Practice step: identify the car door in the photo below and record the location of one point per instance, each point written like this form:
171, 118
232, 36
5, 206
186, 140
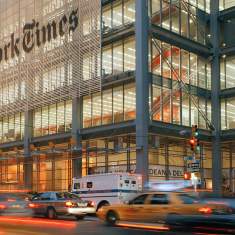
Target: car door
156, 208
134, 210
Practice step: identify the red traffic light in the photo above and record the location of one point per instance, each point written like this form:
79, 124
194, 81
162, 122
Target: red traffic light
192, 141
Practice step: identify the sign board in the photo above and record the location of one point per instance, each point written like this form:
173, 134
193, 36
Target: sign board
193, 166
188, 158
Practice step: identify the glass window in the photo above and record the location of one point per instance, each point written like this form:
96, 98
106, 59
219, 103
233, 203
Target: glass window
194, 110
156, 59
68, 115
129, 11
107, 19
118, 104
175, 16
60, 117
166, 68
156, 5
230, 109
52, 119
129, 102
45, 121
117, 58
166, 104
185, 109
165, 14
185, 66
193, 69
86, 111
157, 103
139, 200
107, 60
117, 14
107, 108
96, 109
201, 72
129, 54
159, 199
230, 71
37, 122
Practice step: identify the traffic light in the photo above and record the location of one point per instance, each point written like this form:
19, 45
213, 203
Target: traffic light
194, 141
187, 176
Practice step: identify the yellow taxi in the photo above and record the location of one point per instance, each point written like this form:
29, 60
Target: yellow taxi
154, 207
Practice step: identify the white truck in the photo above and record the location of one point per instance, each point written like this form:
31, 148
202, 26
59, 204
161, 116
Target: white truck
107, 189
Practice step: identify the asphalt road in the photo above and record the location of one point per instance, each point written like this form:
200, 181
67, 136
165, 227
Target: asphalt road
88, 226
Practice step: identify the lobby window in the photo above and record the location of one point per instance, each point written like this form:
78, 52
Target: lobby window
117, 14
52, 119
119, 57
109, 106
12, 128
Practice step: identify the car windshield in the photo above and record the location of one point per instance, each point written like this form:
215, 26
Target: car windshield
65, 195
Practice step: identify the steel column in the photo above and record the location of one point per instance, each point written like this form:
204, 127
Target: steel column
28, 167
142, 88
215, 100
76, 136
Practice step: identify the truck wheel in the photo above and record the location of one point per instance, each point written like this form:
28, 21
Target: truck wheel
111, 218
80, 217
51, 213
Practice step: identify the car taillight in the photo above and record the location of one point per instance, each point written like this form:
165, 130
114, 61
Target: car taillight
91, 204
32, 205
2, 207
205, 210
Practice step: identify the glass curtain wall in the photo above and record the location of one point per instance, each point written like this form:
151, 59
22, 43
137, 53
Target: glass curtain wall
12, 128
119, 57
186, 17
52, 119
109, 106
174, 63
117, 14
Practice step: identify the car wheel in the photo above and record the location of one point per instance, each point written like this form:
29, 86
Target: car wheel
111, 218
80, 217
51, 213
102, 204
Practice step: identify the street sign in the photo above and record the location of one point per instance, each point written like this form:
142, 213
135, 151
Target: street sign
193, 166
188, 158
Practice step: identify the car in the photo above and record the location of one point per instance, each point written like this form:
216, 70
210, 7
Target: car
54, 204
14, 204
154, 207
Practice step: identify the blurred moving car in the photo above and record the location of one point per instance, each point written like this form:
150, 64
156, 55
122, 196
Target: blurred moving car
53, 204
154, 207
13, 204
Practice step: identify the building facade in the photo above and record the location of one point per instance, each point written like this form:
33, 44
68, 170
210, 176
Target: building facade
116, 90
